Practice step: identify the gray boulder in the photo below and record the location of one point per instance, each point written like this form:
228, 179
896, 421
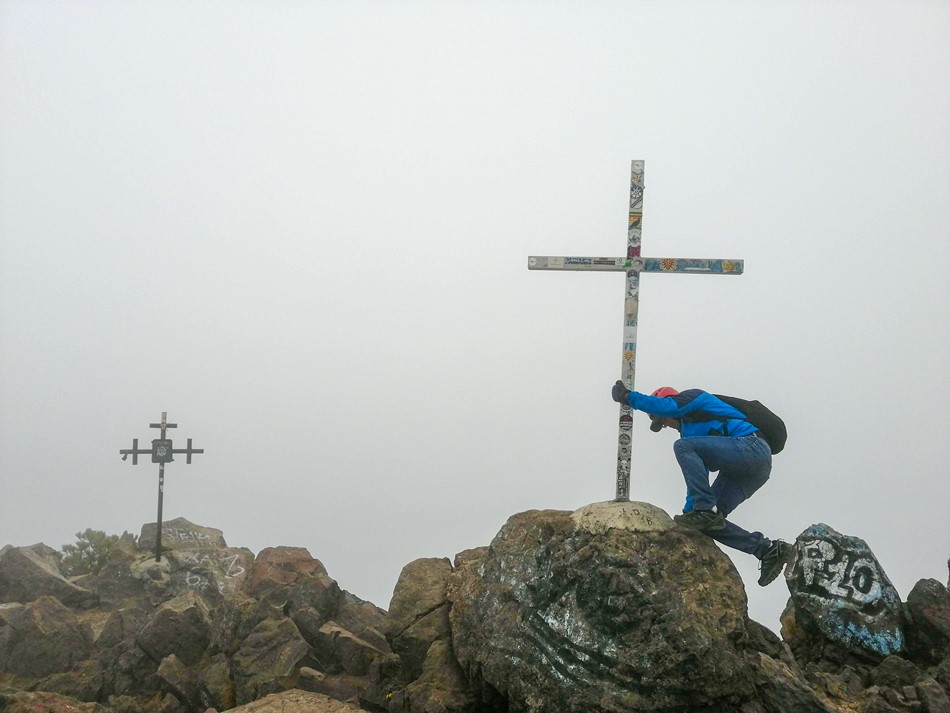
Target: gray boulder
292, 580
42, 638
419, 611
184, 684
590, 620
296, 701
928, 611
126, 669
181, 534
181, 627
27, 573
840, 594
268, 660
347, 652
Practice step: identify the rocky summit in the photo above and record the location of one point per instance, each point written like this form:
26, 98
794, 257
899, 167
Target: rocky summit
609, 608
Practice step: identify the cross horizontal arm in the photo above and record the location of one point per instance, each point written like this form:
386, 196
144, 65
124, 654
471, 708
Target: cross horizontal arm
134, 451
189, 451
637, 264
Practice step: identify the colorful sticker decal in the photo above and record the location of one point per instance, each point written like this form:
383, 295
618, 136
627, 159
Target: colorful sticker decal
668, 263
626, 422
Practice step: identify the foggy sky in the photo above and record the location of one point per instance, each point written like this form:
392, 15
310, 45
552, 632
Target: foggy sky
302, 230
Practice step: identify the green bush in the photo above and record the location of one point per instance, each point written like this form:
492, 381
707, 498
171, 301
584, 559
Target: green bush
88, 555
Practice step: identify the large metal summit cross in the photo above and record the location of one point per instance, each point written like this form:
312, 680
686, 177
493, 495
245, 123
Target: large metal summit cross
633, 265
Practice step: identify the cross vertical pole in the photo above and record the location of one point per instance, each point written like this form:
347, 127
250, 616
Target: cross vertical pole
161, 494
631, 305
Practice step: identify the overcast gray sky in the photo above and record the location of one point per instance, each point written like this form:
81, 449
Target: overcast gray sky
302, 229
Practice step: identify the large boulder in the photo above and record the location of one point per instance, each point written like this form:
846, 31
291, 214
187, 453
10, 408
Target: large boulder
593, 618
181, 627
340, 650
840, 595
184, 683
291, 581
180, 534
441, 687
296, 701
419, 611
27, 573
42, 638
126, 668
364, 620
289, 577
928, 609
269, 659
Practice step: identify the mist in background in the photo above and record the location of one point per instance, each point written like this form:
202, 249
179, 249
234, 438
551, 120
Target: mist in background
302, 229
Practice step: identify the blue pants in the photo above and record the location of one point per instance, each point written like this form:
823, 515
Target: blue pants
744, 465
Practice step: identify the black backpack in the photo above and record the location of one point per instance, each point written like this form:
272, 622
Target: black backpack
770, 425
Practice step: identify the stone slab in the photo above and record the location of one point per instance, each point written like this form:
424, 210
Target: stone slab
633, 516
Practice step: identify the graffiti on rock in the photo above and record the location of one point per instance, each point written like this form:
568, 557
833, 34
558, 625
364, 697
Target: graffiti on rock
838, 580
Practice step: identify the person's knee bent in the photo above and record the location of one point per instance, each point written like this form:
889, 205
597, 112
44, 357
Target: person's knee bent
681, 447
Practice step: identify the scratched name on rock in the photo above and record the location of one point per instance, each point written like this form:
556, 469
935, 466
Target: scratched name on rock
840, 574
183, 535
224, 564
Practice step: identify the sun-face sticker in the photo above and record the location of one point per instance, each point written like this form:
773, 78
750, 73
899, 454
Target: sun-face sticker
668, 263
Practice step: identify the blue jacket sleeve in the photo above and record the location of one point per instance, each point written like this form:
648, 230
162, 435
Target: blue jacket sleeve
712, 416
683, 403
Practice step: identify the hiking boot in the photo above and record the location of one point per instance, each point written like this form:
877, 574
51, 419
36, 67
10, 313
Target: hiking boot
702, 520
773, 562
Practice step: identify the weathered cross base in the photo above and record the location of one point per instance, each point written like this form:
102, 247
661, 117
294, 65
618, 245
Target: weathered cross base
632, 516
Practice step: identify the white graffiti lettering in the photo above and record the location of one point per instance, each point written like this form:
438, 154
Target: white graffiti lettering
184, 535
841, 574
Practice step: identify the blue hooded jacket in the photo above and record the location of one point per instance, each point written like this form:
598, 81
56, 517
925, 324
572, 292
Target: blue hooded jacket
699, 413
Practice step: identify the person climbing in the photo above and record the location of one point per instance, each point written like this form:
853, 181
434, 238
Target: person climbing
714, 436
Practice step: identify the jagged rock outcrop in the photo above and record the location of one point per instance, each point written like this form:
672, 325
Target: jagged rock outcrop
609, 608
207, 626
